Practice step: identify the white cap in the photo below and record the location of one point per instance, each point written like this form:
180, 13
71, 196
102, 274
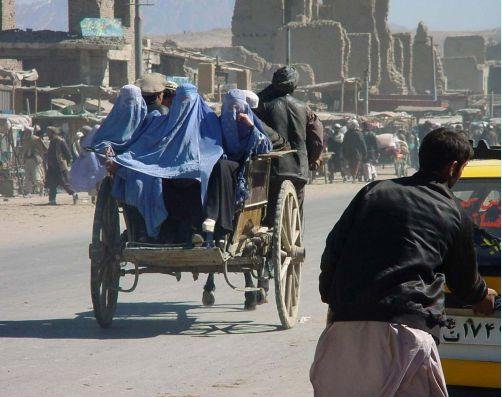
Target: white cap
252, 99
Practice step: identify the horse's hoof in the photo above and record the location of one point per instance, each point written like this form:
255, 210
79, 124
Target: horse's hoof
208, 298
251, 301
261, 297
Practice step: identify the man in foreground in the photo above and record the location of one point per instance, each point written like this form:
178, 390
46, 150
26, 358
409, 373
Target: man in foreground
382, 276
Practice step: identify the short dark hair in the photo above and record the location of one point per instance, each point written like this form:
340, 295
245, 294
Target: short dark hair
440, 147
151, 98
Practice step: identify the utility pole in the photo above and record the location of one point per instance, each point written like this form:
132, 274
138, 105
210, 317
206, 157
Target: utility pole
366, 92
288, 45
434, 80
138, 35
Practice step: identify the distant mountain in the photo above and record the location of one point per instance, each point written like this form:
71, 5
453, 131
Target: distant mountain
165, 17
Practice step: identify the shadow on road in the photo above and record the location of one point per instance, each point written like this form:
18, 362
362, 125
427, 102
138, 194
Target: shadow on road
136, 321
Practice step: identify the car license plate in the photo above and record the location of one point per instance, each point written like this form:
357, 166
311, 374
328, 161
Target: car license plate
473, 331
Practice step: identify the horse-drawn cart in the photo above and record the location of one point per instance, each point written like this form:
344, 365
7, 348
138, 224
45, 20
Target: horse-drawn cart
277, 251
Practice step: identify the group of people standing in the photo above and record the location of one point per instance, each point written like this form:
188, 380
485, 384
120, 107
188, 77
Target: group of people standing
354, 151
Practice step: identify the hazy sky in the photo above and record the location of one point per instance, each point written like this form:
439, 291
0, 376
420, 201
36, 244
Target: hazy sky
446, 14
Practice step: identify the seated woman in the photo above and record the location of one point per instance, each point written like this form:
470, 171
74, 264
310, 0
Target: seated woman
116, 131
179, 150
243, 137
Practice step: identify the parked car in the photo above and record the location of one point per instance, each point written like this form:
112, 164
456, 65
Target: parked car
470, 351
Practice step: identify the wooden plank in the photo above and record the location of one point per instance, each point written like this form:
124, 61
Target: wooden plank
173, 257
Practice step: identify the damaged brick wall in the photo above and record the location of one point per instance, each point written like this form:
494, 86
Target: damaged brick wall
398, 54
359, 17
407, 55
392, 82
360, 55
465, 46
255, 24
464, 73
327, 50
422, 63
7, 14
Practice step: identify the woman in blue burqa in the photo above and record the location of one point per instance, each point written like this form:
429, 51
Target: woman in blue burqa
243, 137
165, 174
113, 136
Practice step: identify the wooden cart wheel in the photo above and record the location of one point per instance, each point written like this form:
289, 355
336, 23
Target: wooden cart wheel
288, 254
105, 265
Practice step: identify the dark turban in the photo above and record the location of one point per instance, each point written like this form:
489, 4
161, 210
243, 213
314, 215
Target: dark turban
285, 79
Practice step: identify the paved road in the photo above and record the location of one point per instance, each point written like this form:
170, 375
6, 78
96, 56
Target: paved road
163, 342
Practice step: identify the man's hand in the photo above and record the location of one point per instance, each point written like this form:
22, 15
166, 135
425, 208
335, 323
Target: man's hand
487, 305
244, 118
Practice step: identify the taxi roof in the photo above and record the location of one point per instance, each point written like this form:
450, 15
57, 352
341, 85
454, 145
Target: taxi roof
482, 169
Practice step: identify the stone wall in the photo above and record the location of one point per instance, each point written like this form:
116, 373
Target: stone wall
493, 52
322, 44
11, 64
360, 55
407, 55
359, 17
398, 54
392, 82
255, 24
422, 63
465, 46
466, 74
494, 79
7, 14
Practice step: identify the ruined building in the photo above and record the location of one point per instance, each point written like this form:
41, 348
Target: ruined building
424, 54
65, 58
465, 63
333, 65
360, 44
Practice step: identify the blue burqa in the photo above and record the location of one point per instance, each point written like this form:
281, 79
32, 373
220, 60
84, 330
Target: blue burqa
87, 171
186, 144
120, 128
240, 141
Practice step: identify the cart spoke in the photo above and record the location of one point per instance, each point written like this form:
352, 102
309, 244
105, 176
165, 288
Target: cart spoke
285, 243
294, 224
284, 268
287, 300
286, 223
292, 298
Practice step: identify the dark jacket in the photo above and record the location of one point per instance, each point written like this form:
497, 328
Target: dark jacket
288, 117
354, 147
382, 258
58, 155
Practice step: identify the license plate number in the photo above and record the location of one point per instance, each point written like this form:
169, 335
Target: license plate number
473, 331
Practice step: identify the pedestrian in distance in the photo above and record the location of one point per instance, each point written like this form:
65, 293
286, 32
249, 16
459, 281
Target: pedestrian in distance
34, 152
58, 164
383, 274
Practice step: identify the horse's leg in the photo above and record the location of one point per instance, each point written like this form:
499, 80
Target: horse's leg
263, 283
208, 298
251, 297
